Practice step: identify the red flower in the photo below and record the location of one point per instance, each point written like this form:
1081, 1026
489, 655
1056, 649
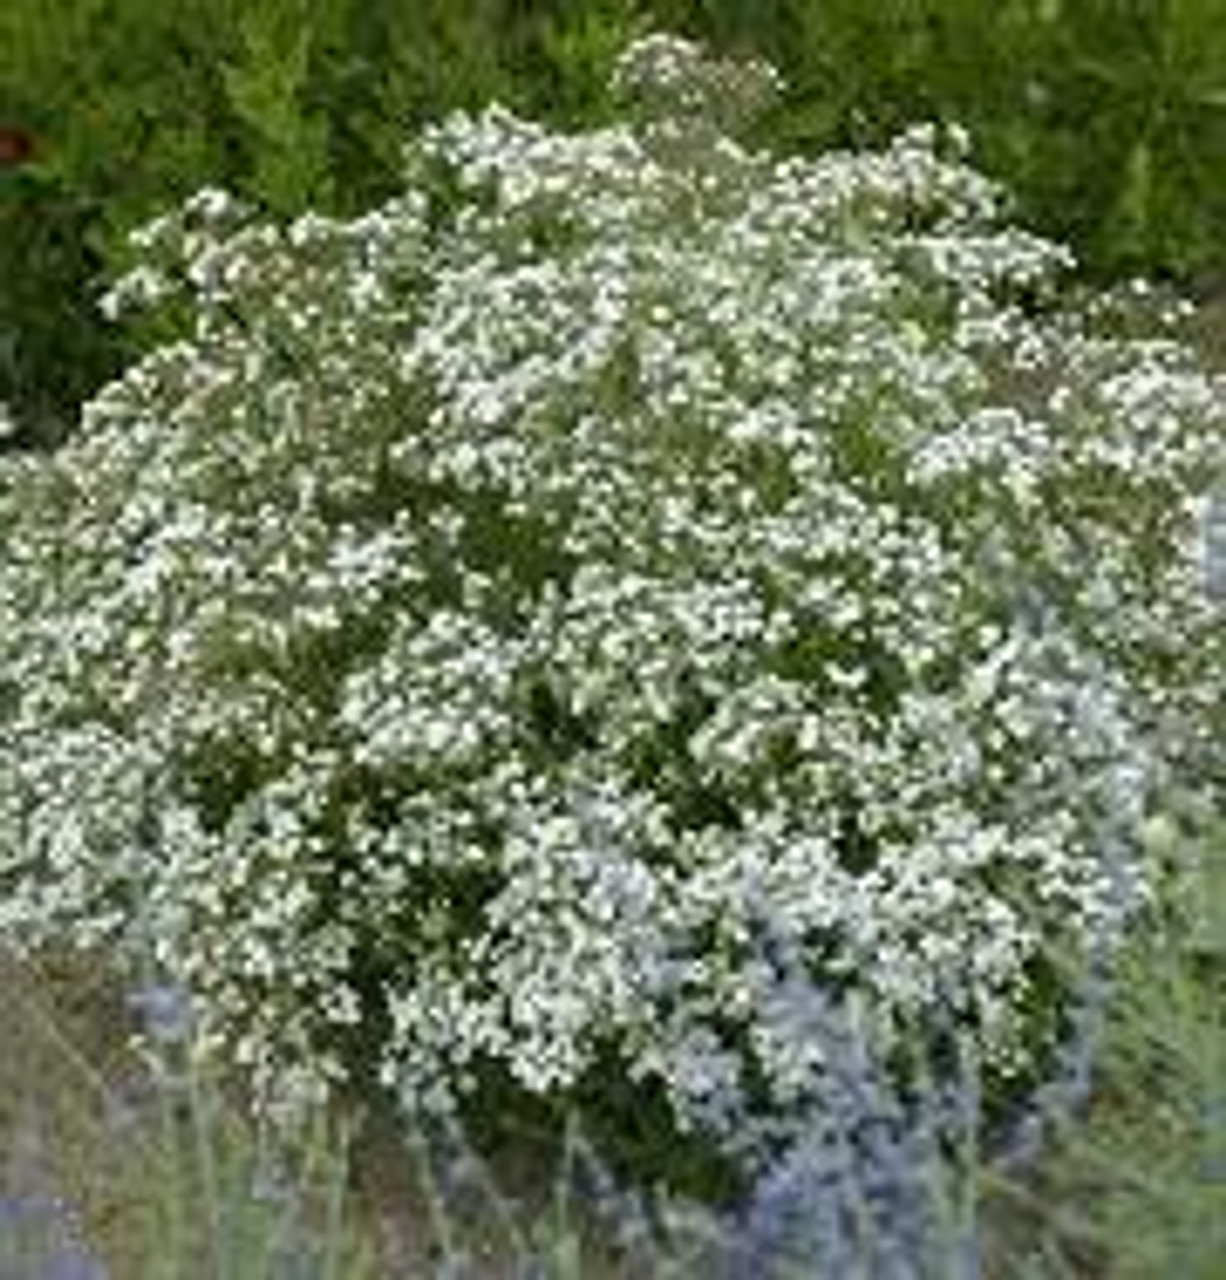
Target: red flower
16, 146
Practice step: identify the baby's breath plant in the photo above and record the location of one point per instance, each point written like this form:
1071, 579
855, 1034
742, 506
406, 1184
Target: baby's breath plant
491, 611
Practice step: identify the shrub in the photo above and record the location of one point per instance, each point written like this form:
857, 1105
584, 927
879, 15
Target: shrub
503, 613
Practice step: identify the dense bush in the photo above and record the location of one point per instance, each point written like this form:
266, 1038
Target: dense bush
506, 613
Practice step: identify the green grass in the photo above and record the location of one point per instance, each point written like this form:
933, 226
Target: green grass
1145, 1176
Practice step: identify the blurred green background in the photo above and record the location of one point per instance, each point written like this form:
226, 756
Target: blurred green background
1106, 119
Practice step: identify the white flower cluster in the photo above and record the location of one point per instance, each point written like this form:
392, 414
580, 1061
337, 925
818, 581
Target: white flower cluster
675, 84
497, 615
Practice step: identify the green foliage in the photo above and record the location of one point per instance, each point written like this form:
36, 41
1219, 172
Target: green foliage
53, 350
1107, 120
266, 87
1136, 1186
1163, 1071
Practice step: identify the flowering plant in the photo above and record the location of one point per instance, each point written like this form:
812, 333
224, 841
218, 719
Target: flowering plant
497, 616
